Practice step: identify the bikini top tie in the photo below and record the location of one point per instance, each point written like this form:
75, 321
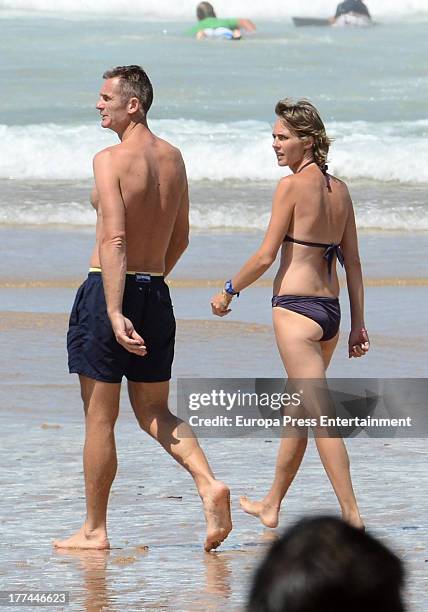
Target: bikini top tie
330, 250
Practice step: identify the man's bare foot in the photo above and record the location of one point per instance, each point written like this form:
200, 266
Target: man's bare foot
83, 539
267, 513
216, 501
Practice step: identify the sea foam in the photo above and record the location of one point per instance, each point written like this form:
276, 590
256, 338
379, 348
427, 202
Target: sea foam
228, 217
220, 151
185, 9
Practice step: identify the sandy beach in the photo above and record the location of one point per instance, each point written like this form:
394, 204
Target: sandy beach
156, 527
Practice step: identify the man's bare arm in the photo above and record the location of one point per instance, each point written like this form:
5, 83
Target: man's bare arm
112, 249
180, 234
112, 242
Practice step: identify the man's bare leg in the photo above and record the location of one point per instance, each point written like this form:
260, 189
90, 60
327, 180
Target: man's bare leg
150, 404
101, 403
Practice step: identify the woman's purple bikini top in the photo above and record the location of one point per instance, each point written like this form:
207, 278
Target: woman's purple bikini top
330, 250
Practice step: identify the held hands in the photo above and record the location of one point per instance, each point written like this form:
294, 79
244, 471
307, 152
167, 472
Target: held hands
358, 343
220, 303
126, 335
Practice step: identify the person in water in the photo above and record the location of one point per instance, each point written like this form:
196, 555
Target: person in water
210, 26
351, 7
313, 223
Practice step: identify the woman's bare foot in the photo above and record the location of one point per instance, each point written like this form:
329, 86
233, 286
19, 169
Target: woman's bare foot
267, 513
354, 519
216, 501
84, 539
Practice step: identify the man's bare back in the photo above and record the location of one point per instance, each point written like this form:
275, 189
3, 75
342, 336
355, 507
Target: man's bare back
153, 187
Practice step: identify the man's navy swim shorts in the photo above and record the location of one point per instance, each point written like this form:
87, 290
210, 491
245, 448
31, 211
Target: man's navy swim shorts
92, 347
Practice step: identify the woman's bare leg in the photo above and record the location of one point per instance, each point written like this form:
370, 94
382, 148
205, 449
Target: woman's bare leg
335, 459
292, 448
290, 455
304, 356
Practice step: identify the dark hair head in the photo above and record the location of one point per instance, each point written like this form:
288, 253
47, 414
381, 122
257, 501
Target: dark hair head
204, 10
324, 564
303, 119
133, 82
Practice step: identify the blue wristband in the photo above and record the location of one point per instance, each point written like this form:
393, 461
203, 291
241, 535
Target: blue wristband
228, 287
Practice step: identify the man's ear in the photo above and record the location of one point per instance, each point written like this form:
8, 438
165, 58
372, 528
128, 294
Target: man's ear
133, 105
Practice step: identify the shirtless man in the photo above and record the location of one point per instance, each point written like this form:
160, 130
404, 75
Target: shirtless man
122, 322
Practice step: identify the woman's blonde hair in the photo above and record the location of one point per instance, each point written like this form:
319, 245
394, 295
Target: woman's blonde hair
303, 119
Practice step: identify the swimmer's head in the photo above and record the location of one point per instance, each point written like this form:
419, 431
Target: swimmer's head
204, 10
303, 120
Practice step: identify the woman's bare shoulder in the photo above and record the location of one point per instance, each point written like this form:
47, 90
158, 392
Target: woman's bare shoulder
340, 187
340, 184
286, 183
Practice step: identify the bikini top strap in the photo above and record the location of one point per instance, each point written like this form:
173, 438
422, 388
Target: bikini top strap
324, 169
305, 165
330, 250
310, 244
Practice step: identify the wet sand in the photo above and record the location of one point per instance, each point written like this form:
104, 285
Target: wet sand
63, 254
154, 503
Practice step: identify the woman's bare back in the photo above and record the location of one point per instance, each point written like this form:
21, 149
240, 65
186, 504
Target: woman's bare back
320, 214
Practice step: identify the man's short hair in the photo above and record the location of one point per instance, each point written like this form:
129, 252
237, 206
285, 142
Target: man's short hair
325, 564
134, 83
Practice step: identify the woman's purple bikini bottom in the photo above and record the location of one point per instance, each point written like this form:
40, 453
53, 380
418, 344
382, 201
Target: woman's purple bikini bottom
323, 310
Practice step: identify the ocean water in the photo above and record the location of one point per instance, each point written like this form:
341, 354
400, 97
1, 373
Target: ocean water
184, 9
215, 101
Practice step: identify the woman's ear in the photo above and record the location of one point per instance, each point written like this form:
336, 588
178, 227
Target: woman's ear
308, 143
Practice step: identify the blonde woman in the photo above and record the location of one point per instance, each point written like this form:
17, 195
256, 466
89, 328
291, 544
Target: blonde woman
313, 223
